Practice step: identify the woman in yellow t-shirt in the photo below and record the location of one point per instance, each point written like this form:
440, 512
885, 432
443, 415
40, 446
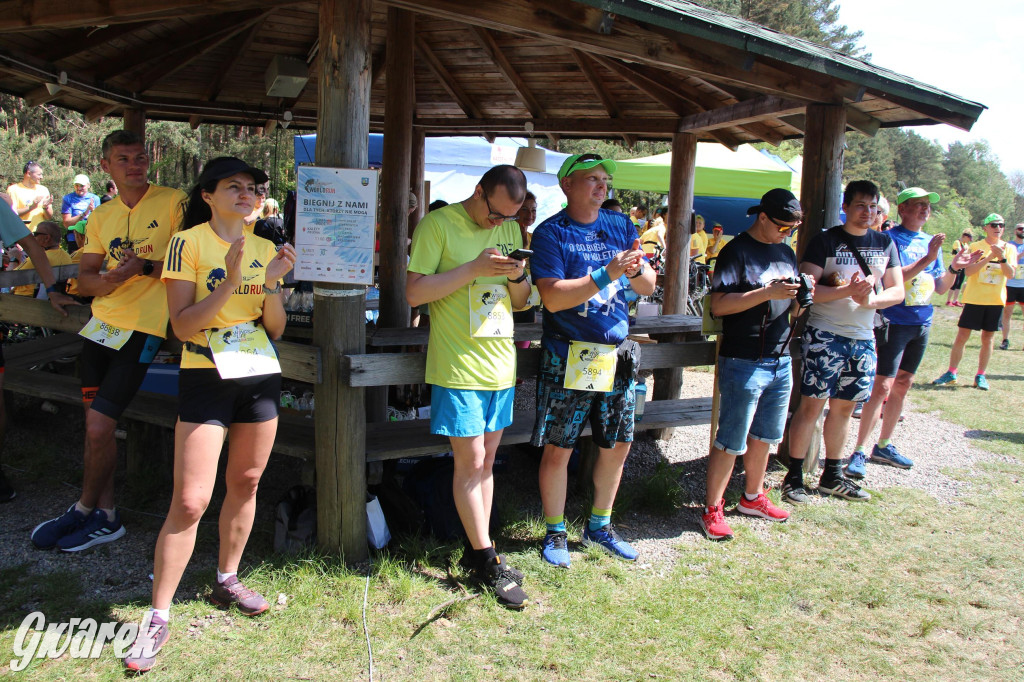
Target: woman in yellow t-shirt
954, 291
224, 299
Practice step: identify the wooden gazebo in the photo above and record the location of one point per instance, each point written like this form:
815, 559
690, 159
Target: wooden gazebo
628, 69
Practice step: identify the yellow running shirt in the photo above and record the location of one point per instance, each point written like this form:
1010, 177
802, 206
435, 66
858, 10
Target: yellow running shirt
56, 256
444, 240
141, 302
197, 255
23, 197
988, 285
699, 241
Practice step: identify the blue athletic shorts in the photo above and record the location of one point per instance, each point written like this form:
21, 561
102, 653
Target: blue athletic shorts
837, 366
755, 398
463, 413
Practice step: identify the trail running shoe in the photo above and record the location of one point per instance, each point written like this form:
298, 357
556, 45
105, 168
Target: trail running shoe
495, 574
856, 467
713, 523
47, 533
794, 493
946, 379
148, 643
96, 530
606, 539
762, 508
890, 456
6, 489
857, 410
469, 564
556, 549
981, 382
232, 591
842, 487
1005, 345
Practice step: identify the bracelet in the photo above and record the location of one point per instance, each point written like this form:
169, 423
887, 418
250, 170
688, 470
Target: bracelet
643, 266
601, 278
52, 289
518, 279
955, 272
272, 290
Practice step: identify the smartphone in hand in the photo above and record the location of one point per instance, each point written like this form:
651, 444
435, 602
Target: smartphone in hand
520, 254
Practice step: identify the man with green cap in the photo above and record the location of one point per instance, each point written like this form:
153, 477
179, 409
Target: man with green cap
585, 261
984, 299
901, 353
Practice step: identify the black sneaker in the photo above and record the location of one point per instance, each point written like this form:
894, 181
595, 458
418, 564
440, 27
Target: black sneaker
6, 489
501, 580
470, 564
842, 487
1005, 345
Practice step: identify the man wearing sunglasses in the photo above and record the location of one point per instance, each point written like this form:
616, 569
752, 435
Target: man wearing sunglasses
984, 299
31, 199
585, 261
1014, 286
839, 341
460, 266
754, 293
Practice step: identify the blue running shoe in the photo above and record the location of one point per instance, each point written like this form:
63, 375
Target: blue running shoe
891, 456
606, 539
556, 549
856, 467
981, 382
47, 533
947, 379
95, 531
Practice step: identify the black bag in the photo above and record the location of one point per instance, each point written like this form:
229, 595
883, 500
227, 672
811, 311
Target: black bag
881, 323
295, 520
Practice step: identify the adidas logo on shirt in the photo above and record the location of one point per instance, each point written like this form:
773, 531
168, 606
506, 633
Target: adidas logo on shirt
256, 264
152, 225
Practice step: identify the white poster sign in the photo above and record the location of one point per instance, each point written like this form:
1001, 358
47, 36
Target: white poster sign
335, 221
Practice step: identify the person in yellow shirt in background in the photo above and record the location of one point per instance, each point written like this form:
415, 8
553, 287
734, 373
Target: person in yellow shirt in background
964, 242
30, 199
715, 244
984, 298
699, 242
653, 241
48, 235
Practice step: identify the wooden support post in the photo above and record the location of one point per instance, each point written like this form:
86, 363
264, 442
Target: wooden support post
394, 179
821, 189
417, 171
339, 310
668, 383
135, 121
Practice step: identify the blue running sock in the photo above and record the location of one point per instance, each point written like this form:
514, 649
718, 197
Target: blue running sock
599, 518
555, 524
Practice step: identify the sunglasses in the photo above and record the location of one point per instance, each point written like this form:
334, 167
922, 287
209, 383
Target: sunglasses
783, 227
999, 225
494, 216
584, 159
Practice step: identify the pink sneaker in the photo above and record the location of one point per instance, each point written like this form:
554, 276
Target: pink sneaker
762, 508
713, 523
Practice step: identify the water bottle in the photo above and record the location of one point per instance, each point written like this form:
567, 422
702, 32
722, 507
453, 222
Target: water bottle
641, 398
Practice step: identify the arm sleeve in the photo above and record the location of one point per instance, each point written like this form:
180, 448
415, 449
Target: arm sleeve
65, 205
181, 260
893, 253
728, 277
12, 229
427, 246
547, 258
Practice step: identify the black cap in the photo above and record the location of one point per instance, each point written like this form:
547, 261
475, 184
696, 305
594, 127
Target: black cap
780, 204
226, 166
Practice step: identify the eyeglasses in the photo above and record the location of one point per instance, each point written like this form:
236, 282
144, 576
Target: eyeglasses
583, 159
782, 226
999, 225
494, 216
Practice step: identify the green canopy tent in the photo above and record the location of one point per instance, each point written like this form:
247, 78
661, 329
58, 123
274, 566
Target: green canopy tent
745, 173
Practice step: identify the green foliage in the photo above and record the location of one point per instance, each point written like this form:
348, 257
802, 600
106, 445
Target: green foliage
950, 218
618, 150
973, 171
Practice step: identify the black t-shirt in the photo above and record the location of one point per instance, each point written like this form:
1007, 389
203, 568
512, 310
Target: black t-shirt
745, 264
271, 228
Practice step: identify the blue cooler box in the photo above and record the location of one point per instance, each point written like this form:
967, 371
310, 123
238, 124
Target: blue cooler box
161, 378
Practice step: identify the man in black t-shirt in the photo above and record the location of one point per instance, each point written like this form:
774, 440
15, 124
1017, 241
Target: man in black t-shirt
754, 294
839, 355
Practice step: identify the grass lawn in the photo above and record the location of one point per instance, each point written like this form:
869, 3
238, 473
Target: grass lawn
902, 587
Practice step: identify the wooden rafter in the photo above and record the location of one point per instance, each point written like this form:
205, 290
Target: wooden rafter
240, 50
21, 15
98, 111
447, 81
751, 111
597, 85
864, 122
40, 96
91, 36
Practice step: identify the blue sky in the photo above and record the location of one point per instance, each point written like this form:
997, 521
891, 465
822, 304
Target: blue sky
974, 50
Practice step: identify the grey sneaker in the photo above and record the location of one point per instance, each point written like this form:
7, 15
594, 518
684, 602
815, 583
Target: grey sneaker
150, 639
842, 487
232, 591
795, 494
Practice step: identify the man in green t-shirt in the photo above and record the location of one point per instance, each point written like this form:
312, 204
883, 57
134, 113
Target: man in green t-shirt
460, 266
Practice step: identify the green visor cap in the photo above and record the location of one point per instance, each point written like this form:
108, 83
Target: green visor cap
78, 227
916, 193
993, 218
584, 162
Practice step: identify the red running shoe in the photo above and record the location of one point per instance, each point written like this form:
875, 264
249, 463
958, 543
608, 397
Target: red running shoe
762, 508
714, 525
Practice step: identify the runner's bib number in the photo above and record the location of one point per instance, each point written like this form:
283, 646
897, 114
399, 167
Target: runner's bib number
242, 351
105, 334
920, 289
992, 273
590, 367
490, 311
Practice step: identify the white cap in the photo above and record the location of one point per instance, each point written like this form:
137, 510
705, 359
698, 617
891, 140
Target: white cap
82, 179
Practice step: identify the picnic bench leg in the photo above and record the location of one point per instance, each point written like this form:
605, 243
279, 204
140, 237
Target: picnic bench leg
150, 452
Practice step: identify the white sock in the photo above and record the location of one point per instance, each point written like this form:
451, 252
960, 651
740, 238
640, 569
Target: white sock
162, 614
109, 513
221, 577
82, 509
750, 498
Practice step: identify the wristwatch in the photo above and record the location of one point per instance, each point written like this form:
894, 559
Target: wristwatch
639, 272
147, 267
517, 280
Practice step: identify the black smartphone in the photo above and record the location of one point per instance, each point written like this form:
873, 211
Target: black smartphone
520, 254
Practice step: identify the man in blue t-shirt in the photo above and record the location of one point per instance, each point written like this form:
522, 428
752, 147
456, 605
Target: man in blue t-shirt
1014, 286
77, 206
909, 323
585, 260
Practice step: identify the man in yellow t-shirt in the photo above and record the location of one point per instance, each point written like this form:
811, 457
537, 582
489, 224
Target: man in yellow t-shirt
48, 235
984, 297
129, 233
459, 265
31, 200
699, 242
716, 243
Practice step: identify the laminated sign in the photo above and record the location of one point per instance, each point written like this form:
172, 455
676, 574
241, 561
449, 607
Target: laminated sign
920, 289
490, 311
242, 351
590, 367
105, 334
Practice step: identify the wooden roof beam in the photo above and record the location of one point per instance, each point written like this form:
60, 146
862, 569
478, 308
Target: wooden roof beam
98, 111
469, 108
861, 121
566, 127
22, 15
597, 85
92, 36
40, 96
240, 51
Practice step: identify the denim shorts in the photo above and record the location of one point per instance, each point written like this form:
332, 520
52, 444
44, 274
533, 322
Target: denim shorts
837, 366
755, 398
903, 349
464, 413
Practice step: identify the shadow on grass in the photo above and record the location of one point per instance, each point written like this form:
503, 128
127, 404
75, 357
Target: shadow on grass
1005, 436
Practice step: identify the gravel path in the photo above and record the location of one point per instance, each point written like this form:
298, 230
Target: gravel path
42, 455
